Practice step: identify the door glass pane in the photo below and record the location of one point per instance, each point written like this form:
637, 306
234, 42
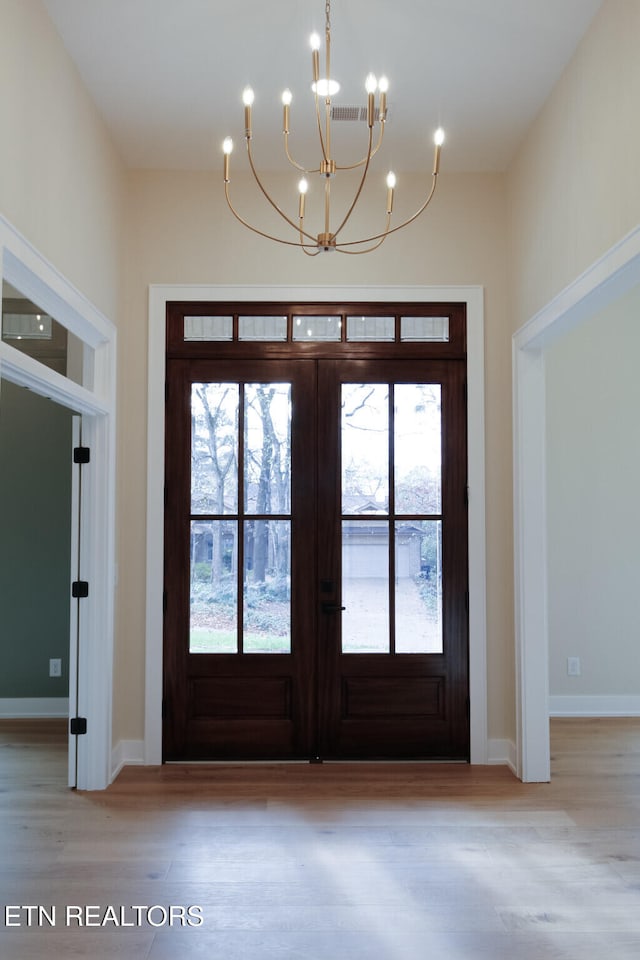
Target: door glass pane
365, 448
418, 586
267, 447
214, 448
267, 586
365, 586
214, 595
417, 448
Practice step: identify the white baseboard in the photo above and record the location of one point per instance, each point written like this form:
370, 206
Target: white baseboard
32, 708
627, 705
502, 752
126, 752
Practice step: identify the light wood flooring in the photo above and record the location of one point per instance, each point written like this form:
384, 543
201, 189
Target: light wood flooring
328, 862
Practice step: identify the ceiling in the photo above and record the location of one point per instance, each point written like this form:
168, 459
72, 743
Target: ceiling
167, 75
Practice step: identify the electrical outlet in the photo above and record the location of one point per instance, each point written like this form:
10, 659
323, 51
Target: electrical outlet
55, 668
573, 666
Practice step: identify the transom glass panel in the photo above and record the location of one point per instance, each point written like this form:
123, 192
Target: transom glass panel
262, 328
28, 328
424, 329
317, 328
208, 328
371, 329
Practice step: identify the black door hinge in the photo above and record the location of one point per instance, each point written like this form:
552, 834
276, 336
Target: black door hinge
79, 589
81, 455
78, 726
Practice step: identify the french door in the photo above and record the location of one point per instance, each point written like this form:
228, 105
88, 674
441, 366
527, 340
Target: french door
315, 558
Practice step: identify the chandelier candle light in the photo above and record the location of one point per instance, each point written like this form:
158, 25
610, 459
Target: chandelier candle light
324, 88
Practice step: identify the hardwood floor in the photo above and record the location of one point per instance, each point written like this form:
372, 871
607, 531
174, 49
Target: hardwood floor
326, 862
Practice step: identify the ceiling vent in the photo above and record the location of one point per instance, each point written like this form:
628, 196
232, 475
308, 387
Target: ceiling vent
354, 114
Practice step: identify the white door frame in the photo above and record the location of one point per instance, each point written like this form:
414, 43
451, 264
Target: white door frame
608, 279
473, 296
74, 604
22, 266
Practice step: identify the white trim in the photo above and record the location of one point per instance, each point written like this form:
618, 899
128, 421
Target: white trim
592, 705
39, 280
503, 753
473, 296
76, 431
608, 279
24, 371
124, 753
28, 708
530, 579
23, 267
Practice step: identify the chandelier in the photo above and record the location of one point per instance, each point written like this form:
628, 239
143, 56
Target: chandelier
324, 88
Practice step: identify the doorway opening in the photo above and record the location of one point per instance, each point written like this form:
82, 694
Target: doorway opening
75, 368
316, 546
35, 554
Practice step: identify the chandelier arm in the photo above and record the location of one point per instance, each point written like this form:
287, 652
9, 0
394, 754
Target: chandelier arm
400, 226
272, 202
292, 161
359, 190
303, 245
353, 253
268, 236
361, 163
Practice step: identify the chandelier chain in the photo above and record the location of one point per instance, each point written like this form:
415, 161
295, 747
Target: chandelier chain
327, 13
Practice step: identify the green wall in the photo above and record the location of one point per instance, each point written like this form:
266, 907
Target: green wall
35, 542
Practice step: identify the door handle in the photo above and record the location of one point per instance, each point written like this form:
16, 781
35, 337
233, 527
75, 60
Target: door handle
332, 608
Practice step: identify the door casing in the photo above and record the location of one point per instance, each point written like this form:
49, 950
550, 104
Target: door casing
473, 297
23, 267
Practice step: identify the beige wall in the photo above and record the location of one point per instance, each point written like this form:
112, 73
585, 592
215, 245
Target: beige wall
61, 180
181, 232
593, 528
574, 188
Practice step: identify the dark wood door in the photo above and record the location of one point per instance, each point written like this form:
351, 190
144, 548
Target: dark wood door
239, 656
393, 659
315, 560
